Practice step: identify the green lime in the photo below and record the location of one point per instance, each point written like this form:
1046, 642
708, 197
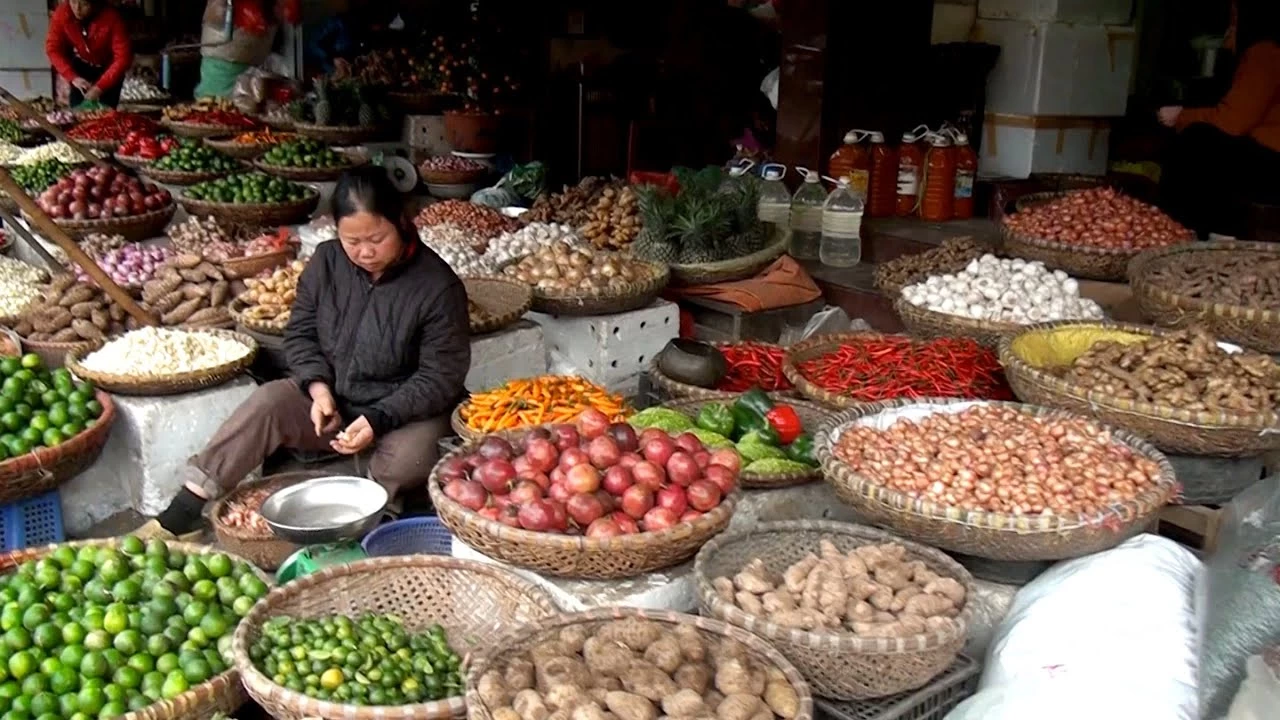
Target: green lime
114, 708
47, 636
204, 590
253, 586
127, 591
167, 663
94, 408
195, 570
219, 565
142, 663
93, 616
36, 615
44, 703
175, 683
242, 605
116, 620
158, 645
72, 655
94, 665
64, 680
21, 664
34, 683
214, 625
194, 610
40, 422
9, 366
17, 638
72, 634
91, 700
69, 704
31, 436
11, 421
32, 361
53, 437
97, 640
127, 678
129, 642
9, 690
10, 616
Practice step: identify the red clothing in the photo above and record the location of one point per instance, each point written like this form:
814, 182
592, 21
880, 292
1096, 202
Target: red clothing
105, 45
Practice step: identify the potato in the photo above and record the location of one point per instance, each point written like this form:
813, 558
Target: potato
607, 657
782, 699
574, 636
629, 706
733, 677
588, 711
664, 653
647, 681
738, 706
635, 633
685, 703
728, 649
606, 682
530, 705
493, 691
519, 674
549, 649
563, 670
691, 643
566, 697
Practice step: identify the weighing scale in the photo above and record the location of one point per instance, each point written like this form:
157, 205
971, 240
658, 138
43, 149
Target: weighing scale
327, 516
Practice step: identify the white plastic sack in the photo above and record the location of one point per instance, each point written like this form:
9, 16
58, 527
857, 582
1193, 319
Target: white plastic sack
1259, 696
1111, 636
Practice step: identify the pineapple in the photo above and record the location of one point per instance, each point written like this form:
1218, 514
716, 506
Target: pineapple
323, 109
649, 245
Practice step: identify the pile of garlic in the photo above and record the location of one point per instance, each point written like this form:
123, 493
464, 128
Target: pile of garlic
49, 151
453, 245
529, 240
9, 152
19, 286
157, 352
1013, 291
136, 89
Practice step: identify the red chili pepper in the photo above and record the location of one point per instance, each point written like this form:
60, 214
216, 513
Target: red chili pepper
899, 367
113, 126
752, 364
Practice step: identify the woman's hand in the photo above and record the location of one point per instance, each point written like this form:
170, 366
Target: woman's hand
355, 438
324, 410
1168, 115
93, 93
81, 84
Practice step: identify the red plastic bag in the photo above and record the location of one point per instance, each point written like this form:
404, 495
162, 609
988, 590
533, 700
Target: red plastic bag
248, 16
289, 11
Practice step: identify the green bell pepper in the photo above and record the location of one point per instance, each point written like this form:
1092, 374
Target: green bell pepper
749, 415
801, 450
716, 417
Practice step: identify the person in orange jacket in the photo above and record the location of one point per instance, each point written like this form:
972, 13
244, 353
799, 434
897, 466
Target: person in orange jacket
88, 45
1227, 156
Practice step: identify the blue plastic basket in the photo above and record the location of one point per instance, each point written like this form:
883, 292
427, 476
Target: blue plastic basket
411, 536
31, 522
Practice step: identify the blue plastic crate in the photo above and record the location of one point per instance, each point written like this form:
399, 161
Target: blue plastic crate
31, 522
411, 536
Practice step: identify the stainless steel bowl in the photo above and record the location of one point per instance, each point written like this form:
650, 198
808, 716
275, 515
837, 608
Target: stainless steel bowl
327, 509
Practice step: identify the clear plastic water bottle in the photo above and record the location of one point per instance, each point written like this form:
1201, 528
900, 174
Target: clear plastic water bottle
806, 216
774, 206
735, 177
841, 244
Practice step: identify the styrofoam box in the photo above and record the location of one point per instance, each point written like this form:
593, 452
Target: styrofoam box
952, 22
1014, 150
28, 84
24, 24
1058, 68
611, 350
1098, 12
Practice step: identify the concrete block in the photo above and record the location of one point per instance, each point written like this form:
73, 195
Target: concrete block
426, 132
670, 589
519, 351
151, 439
611, 350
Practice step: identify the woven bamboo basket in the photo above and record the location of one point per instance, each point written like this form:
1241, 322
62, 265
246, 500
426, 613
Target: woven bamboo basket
891, 287
575, 556
592, 620
1172, 430
298, 174
288, 213
240, 151
264, 550
675, 389
8, 204
250, 265
168, 384
475, 602
201, 130
925, 323
451, 177
838, 664
338, 134
1107, 264
132, 162
995, 536
1253, 327
180, 177
632, 296
220, 694
54, 354
266, 327
727, 270
134, 228
44, 469
811, 415
504, 300
419, 102
103, 146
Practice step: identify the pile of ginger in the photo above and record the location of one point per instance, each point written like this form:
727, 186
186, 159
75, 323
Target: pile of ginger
872, 591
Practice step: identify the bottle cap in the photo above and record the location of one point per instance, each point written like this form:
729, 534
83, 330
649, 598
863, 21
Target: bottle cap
852, 137
939, 140
774, 172
877, 137
961, 138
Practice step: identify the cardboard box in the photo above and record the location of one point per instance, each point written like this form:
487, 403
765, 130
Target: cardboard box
1017, 145
24, 24
1096, 12
1058, 68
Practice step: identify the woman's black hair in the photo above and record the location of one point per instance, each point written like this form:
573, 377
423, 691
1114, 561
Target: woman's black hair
368, 189
1256, 21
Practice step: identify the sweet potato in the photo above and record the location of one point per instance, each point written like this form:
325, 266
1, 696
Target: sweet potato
738, 706
647, 681
530, 705
664, 653
782, 699
84, 309
604, 657
684, 703
691, 643
629, 706
87, 330
635, 633
694, 676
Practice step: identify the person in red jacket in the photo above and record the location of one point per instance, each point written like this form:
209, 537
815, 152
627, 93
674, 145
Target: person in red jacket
89, 46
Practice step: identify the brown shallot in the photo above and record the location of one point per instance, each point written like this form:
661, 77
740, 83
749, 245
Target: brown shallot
1099, 218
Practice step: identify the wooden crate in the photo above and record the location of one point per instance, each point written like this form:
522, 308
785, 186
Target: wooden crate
1195, 526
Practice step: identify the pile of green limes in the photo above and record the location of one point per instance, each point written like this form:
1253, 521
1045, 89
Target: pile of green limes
303, 153
192, 157
248, 188
95, 632
372, 660
39, 407
34, 178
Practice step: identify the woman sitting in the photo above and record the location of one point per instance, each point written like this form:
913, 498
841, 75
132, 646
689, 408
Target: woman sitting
377, 347
1228, 156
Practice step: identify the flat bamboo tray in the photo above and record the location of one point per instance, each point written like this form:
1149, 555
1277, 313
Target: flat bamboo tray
338, 134
838, 664
180, 177
44, 469
201, 130
298, 174
290, 213
134, 228
505, 301
633, 296
172, 384
727, 270
925, 323
1182, 432
221, 694
476, 603
709, 629
994, 536
812, 416
575, 556
1253, 327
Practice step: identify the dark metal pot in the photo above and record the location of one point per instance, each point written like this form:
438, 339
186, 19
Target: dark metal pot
692, 362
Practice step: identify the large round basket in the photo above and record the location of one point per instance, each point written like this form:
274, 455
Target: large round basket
266, 327
476, 603
925, 323
240, 151
758, 651
250, 265
107, 147
419, 102
811, 415
132, 162
1253, 327
632, 296
995, 536
727, 270
201, 130
220, 694
44, 469
134, 228
1030, 358
263, 549
451, 177
338, 134
180, 177
169, 384
961, 251
299, 174
54, 354
575, 556
837, 663
504, 301
288, 213
675, 389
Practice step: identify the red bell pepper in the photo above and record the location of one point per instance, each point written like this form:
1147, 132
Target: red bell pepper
784, 420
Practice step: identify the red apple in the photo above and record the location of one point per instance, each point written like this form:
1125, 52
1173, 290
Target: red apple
625, 436
559, 492
525, 491
602, 528
690, 516
535, 515
582, 479
649, 475
650, 433
628, 460
688, 442
617, 479
658, 449
592, 423
659, 519
603, 452
625, 521
722, 477
490, 513
704, 495
607, 501
566, 436
541, 479
637, 501
559, 516
573, 456
727, 457
541, 454
496, 475
585, 509
672, 497
682, 469
702, 458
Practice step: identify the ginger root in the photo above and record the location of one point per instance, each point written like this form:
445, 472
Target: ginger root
753, 578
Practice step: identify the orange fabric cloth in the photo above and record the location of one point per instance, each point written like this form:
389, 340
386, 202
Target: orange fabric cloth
1252, 106
782, 284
